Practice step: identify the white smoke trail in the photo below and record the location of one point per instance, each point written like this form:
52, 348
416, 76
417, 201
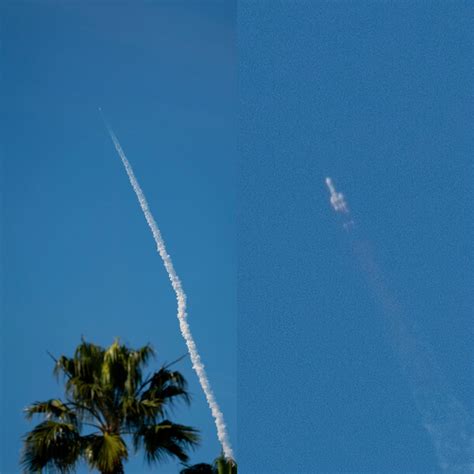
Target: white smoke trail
198, 366
446, 420
448, 423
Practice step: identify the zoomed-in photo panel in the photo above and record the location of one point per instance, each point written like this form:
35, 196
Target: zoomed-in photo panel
355, 237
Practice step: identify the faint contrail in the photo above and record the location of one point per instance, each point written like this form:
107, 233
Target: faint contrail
198, 366
448, 423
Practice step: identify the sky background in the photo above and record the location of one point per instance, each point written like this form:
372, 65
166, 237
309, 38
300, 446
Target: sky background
378, 96
77, 255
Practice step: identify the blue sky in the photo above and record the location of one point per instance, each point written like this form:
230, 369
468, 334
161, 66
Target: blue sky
378, 96
77, 255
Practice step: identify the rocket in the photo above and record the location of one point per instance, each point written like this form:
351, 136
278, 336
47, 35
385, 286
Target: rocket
337, 199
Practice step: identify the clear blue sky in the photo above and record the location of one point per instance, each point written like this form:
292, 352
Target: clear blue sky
377, 95
77, 255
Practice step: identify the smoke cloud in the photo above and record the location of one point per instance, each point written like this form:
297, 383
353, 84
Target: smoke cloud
198, 366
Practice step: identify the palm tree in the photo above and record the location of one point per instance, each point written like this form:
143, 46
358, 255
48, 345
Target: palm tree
221, 466
107, 400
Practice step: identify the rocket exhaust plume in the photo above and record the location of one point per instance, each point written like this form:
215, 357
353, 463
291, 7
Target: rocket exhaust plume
338, 203
337, 199
448, 423
198, 366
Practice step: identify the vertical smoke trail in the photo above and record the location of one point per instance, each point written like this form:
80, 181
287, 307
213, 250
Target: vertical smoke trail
448, 423
198, 366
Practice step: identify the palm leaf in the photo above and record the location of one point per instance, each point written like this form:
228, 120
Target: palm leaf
166, 439
136, 413
105, 452
53, 409
167, 386
51, 445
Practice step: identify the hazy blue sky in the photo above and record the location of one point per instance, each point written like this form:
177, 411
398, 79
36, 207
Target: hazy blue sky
78, 257
377, 95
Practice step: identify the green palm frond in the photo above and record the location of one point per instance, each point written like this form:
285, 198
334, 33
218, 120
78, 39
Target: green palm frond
64, 365
109, 363
86, 363
115, 370
51, 445
136, 361
143, 355
136, 413
105, 452
122, 367
88, 360
85, 391
166, 439
167, 386
53, 409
